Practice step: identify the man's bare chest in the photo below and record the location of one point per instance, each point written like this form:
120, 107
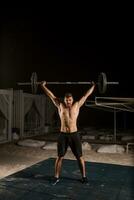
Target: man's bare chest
69, 112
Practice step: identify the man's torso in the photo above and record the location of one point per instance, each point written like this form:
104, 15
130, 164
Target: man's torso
68, 117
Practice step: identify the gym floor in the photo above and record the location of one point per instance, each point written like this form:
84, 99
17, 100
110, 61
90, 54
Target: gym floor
106, 181
17, 160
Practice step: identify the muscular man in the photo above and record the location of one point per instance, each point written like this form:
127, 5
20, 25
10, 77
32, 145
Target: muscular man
69, 136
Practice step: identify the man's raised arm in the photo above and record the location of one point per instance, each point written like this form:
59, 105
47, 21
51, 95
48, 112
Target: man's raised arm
87, 94
54, 99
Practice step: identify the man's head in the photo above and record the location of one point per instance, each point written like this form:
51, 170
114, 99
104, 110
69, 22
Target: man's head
68, 99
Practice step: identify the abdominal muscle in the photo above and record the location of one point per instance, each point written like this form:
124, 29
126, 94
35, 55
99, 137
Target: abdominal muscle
68, 128
68, 119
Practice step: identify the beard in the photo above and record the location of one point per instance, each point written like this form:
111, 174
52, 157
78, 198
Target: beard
68, 105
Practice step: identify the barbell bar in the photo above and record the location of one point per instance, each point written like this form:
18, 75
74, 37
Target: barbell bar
102, 82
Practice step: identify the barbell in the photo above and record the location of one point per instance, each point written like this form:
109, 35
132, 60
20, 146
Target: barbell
102, 83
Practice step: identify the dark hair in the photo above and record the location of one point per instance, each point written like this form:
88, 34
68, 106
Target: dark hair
68, 94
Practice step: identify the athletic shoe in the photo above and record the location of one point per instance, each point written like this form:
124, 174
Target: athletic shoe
84, 180
55, 181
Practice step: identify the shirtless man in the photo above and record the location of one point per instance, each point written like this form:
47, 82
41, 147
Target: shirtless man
69, 135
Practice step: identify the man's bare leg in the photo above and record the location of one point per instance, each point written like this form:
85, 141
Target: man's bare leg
81, 164
58, 164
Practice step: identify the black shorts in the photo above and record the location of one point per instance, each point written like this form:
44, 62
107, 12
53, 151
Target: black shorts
69, 139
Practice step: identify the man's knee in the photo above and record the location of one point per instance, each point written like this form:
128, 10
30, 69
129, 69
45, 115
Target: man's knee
60, 157
79, 157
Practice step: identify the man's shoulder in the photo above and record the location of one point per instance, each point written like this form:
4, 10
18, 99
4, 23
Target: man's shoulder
76, 103
62, 104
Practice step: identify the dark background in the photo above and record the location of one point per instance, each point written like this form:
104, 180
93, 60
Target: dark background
74, 46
